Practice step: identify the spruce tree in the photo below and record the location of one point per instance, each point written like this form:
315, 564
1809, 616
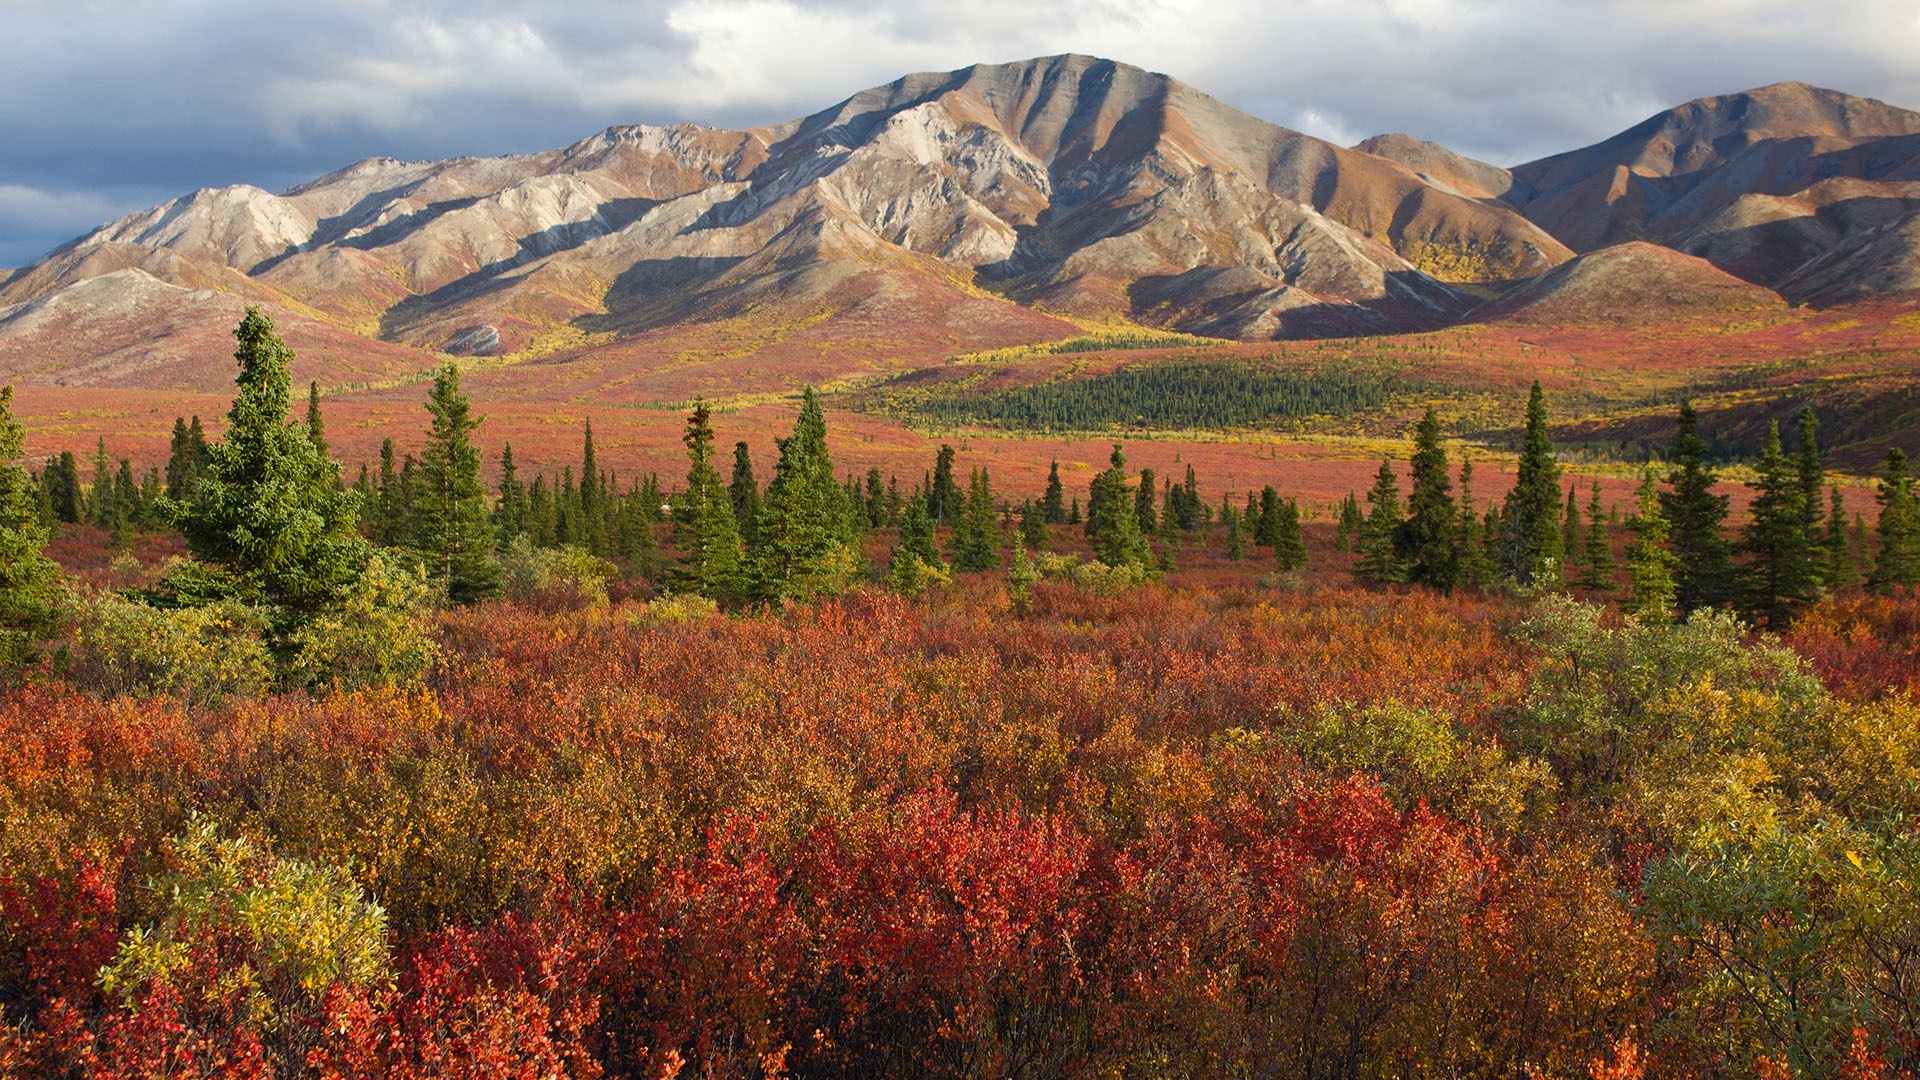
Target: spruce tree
1115, 529
63, 487
1650, 563
1898, 560
316, 427
1289, 547
100, 494
1530, 516
1236, 536
269, 508
1379, 562
1598, 564
1351, 519
589, 524
1144, 510
876, 500
511, 514
915, 554
185, 456
452, 525
1779, 571
943, 492
1703, 576
743, 490
1570, 542
389, 518
712, 561
29, 581
1033, 527
1837, 564
1476, 569
1812, 506
806, 526
976, 540
1266, 529
1053, 503
1427, 541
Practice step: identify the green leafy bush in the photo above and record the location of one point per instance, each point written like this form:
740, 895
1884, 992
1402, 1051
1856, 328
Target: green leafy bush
121, 647
379, 633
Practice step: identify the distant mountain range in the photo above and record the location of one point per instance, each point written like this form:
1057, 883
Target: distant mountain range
995, 205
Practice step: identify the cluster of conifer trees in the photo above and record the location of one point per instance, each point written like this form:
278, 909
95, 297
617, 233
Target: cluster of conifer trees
1172, 396
1795, 545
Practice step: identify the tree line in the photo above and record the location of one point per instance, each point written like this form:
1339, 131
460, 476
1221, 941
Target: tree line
1796, 544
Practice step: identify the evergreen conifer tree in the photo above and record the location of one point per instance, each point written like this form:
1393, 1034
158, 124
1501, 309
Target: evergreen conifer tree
511, 514
943, 492
1266, 529
806, 526
876, 500
1530, 516
63, 487
316, 426
1289, 547
1236, 535
976, 539
1351, 519
1650, 563
1598, 564
1428, 539
269, 508
389, 516
1570, 541
589, 523
100, 494
743, 489
712, 560
1703, 576
1115, 529
452, 525
1897, 561
1144, 510
29, 581
1054, 502
1837, 564
1812, 506
1033, 527
1780, 573
1379, 562
1476, 568
1021, 574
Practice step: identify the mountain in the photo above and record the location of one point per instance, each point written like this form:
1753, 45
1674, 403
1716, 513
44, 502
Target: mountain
939, 213
1634, 283
1676, 169
1440, 166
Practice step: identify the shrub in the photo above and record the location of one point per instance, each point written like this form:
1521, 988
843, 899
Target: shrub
558, 579
376, 634
201, 653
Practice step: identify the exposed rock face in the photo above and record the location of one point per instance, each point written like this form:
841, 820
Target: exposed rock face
1633, 283
955, 210
1675, 170
1440, 166
1080, 184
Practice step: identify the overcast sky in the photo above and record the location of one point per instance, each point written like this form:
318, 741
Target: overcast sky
112, 105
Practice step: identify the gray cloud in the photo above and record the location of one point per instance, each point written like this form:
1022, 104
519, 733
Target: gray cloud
109, 105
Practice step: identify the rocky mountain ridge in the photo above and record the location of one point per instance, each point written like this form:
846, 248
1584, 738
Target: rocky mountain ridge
950, 211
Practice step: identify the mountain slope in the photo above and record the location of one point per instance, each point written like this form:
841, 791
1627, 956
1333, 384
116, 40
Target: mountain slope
1678, 168
1068, 184
1628, 284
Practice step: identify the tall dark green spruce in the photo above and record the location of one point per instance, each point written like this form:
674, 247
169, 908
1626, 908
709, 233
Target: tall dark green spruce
1897, 561
976, 539
943, 492
743, 489
269, 508
1650, 562
1110, 519
711, 559
1379, 561
1427, 542
29, 581
512, 516
1813, 504
452, 527
1530, 517
806, 526
1780, 570
1703, 574
1598, 564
